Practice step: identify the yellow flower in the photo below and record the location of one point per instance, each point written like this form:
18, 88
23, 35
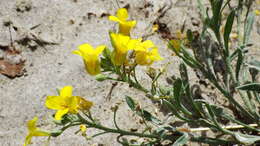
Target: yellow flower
155, 27
67, 103
122, 44
144, 56
124, 25
34, 131
179, 38
90, 57
176, 44
257, 12
83, 128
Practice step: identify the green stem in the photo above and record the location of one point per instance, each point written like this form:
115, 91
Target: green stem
153, 86
118, 131
98, 134
212, 141
115, 123
70, 125
130, 82
135, 78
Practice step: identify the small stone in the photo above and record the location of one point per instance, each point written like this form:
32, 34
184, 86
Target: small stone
23, 5
7, 22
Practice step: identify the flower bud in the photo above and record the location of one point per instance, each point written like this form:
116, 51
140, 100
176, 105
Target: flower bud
101, 77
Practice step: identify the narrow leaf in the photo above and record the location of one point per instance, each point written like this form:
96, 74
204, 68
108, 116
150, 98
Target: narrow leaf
130, 102
216, 8
149, 117
177, 93
240, 60
228, 29
246, 139
174, 111
248, 27
177, 88
254, 64
202, 9
189, 35
250, 87
182, 140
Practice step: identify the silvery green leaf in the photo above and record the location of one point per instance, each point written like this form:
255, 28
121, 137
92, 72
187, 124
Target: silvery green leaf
254, 64
246, 139
182, 140
250, 86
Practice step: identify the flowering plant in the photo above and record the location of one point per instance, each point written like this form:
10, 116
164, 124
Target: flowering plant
227, 69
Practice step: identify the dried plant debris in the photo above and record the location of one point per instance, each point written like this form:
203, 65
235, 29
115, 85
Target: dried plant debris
104, 15
164, 30
90, 15
157, 25
32, 41
11, 62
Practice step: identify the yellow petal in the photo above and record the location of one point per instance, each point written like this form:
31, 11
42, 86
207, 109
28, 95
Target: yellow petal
84, 104
132, 23
77, 52
140, 57
148, 44
132, 44
28, 140
122, 14
40, 133
118, 58
55, 102
155, 55
32, 124
60, 113
114, 18
66, 91
72, 104
92, 66
112, 39
85, 47
120, 42
145, 57
125, 28
86, 51
123, 39
138, 48
100, 49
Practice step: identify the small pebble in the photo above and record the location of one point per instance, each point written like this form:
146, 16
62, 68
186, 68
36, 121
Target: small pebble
23, 5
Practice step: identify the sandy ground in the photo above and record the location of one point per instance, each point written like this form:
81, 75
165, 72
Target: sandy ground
70, 23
